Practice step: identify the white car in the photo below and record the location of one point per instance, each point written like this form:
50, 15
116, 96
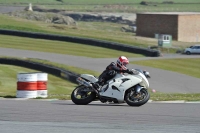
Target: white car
195, 49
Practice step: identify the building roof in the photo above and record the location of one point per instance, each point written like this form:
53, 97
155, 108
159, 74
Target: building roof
172, 13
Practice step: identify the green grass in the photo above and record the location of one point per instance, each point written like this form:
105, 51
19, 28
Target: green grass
13, 23
185, 66
98, 30
60, 47
57, 87
174, 96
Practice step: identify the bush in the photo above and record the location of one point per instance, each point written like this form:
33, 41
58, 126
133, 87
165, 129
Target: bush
60, 1
148, 3
143, 3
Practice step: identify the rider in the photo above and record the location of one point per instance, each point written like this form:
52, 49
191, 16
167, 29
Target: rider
112, 69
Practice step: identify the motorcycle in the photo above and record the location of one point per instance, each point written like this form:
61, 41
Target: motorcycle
123, 88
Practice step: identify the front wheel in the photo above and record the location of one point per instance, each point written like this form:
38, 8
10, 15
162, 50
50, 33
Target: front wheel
82, 95
137, 99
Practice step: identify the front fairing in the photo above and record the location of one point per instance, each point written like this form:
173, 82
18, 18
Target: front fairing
117, 86
144, 82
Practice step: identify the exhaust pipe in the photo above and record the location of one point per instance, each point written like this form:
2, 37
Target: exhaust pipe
83, 82
87, 84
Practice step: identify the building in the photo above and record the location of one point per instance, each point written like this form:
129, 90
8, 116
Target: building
183, 26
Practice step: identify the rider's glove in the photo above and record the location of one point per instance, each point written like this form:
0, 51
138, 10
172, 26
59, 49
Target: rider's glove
128, 71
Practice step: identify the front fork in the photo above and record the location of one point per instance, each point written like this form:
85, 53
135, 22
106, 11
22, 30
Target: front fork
138, 88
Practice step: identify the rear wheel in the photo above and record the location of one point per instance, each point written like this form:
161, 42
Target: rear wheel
188, 53
133, 98
82, 95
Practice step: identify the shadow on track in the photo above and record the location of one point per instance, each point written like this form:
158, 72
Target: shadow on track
97, 104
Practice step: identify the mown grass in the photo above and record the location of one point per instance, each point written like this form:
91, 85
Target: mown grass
60, 47
158, 96
185, 66
97, 30
57, 87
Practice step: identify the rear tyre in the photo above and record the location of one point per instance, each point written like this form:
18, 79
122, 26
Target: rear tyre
188, 53
82, 95
137, 99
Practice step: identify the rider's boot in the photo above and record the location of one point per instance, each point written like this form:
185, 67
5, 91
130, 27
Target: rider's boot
96, 86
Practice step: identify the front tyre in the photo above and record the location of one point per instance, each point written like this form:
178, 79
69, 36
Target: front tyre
137, 99
82, 95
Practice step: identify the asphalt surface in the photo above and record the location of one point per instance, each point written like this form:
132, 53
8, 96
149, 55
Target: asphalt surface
21, 116
162, 80
6, 9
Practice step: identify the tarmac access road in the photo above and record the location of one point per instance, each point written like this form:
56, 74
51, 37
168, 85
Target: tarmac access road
6, 9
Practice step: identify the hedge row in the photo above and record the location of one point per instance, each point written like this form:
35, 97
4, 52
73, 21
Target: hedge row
59, 72
87, 41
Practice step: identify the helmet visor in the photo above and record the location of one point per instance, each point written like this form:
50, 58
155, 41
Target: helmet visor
125, 64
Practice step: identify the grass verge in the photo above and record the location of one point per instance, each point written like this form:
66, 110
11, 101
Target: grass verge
57, 87
60, 47
97, 30
158, 96
185, 66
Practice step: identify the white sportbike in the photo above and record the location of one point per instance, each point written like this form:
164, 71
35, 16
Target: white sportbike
123, 88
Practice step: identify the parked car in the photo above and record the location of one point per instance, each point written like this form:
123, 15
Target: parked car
195, 49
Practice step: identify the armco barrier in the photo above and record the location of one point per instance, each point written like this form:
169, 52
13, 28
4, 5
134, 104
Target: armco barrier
87, 41
41, 67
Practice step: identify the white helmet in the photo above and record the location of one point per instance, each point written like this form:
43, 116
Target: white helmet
122, 62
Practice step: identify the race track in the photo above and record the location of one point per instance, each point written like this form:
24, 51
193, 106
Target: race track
36, 116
